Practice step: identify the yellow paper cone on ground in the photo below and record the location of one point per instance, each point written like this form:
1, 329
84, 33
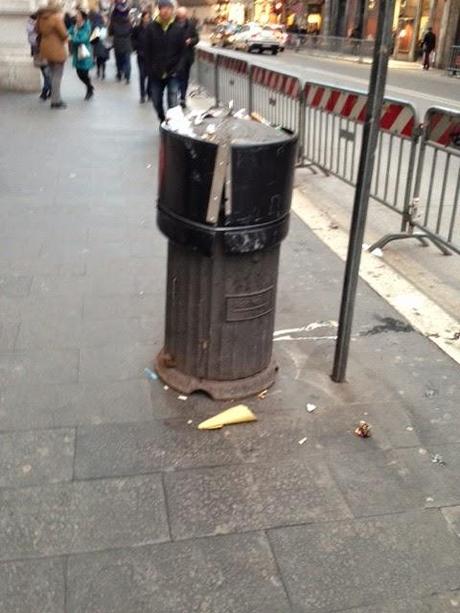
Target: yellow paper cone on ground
236, 415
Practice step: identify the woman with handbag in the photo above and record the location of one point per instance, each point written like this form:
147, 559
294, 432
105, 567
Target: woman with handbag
80, 35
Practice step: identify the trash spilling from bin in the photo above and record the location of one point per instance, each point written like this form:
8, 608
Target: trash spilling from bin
239, 414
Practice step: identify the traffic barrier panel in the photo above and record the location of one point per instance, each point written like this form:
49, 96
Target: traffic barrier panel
233, 82
334, 119
437, 185
206, 71
277, 97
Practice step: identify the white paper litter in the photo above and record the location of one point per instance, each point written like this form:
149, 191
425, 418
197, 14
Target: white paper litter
303, 440
311, 407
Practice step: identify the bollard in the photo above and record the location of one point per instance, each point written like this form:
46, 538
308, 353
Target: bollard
224, 201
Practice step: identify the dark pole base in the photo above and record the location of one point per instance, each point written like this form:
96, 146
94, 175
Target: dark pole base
218, 390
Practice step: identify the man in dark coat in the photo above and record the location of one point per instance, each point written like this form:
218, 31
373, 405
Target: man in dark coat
428, 46
120, 29
139, 38
191, 41
164, 56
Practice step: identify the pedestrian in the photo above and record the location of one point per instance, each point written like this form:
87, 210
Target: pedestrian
164, 55
138, 40
34, 42
428, 46
101, 50
53, 47
191, 40
80, 35
120, 29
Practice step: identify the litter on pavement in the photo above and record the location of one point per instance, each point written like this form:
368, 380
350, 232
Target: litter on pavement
150, 374
311, 407
235, 415
303, 440
363, 429
438, 459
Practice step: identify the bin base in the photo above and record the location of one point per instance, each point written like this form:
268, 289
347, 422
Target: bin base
218, 390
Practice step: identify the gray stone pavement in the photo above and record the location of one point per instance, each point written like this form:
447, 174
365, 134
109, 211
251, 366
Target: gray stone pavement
110, 501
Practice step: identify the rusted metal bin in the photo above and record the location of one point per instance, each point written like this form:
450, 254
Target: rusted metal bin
224, 201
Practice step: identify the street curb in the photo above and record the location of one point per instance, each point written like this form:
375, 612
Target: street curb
420, 311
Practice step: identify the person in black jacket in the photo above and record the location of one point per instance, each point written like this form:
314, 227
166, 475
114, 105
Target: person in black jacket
191, 41
138, 38
164, 56
120, 29
428, 45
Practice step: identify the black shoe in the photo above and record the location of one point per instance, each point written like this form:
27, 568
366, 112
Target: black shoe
43, 95
89, 93
142, 100
127, 81
183, 104
58, 105
118, 77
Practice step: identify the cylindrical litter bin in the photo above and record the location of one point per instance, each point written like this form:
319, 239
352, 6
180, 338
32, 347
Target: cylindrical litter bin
224, 200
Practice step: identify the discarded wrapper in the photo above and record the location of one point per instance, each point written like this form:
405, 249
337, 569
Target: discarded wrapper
363, 429
150, 374
235, 415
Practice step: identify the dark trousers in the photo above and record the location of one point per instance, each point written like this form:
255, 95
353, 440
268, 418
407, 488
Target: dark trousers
144, 80
46, 90
123, 62
100, 65
184, 78
158, 86
83, 75
426, 59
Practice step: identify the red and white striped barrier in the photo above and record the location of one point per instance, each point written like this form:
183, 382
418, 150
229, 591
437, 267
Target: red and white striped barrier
205, 56
233, 64
397, 117
276, 81
442, 127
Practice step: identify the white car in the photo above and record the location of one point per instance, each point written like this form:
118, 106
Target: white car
252, 37
280, 32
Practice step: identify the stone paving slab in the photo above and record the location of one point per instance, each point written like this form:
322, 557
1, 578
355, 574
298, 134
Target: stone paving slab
442, 603
81, 516
32, 585
205, 502
452, 515
341, 565
32, 367
36, 457
226, 574
50, 405
439, 482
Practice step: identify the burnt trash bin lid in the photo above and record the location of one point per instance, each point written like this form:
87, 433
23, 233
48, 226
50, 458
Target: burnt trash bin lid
223, 175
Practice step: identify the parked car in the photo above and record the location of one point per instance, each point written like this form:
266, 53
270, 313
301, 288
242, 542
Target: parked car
280, 32
223, 35
252, 37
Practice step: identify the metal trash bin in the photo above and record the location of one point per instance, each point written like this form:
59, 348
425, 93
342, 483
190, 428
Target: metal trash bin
224, 201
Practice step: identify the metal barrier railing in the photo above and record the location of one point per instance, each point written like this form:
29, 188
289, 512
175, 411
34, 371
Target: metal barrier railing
206, 71
232, 81
331, 45
277, 97
329, 122
453, 69
333, 133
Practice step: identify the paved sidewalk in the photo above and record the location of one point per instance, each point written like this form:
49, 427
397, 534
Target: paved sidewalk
110, 501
